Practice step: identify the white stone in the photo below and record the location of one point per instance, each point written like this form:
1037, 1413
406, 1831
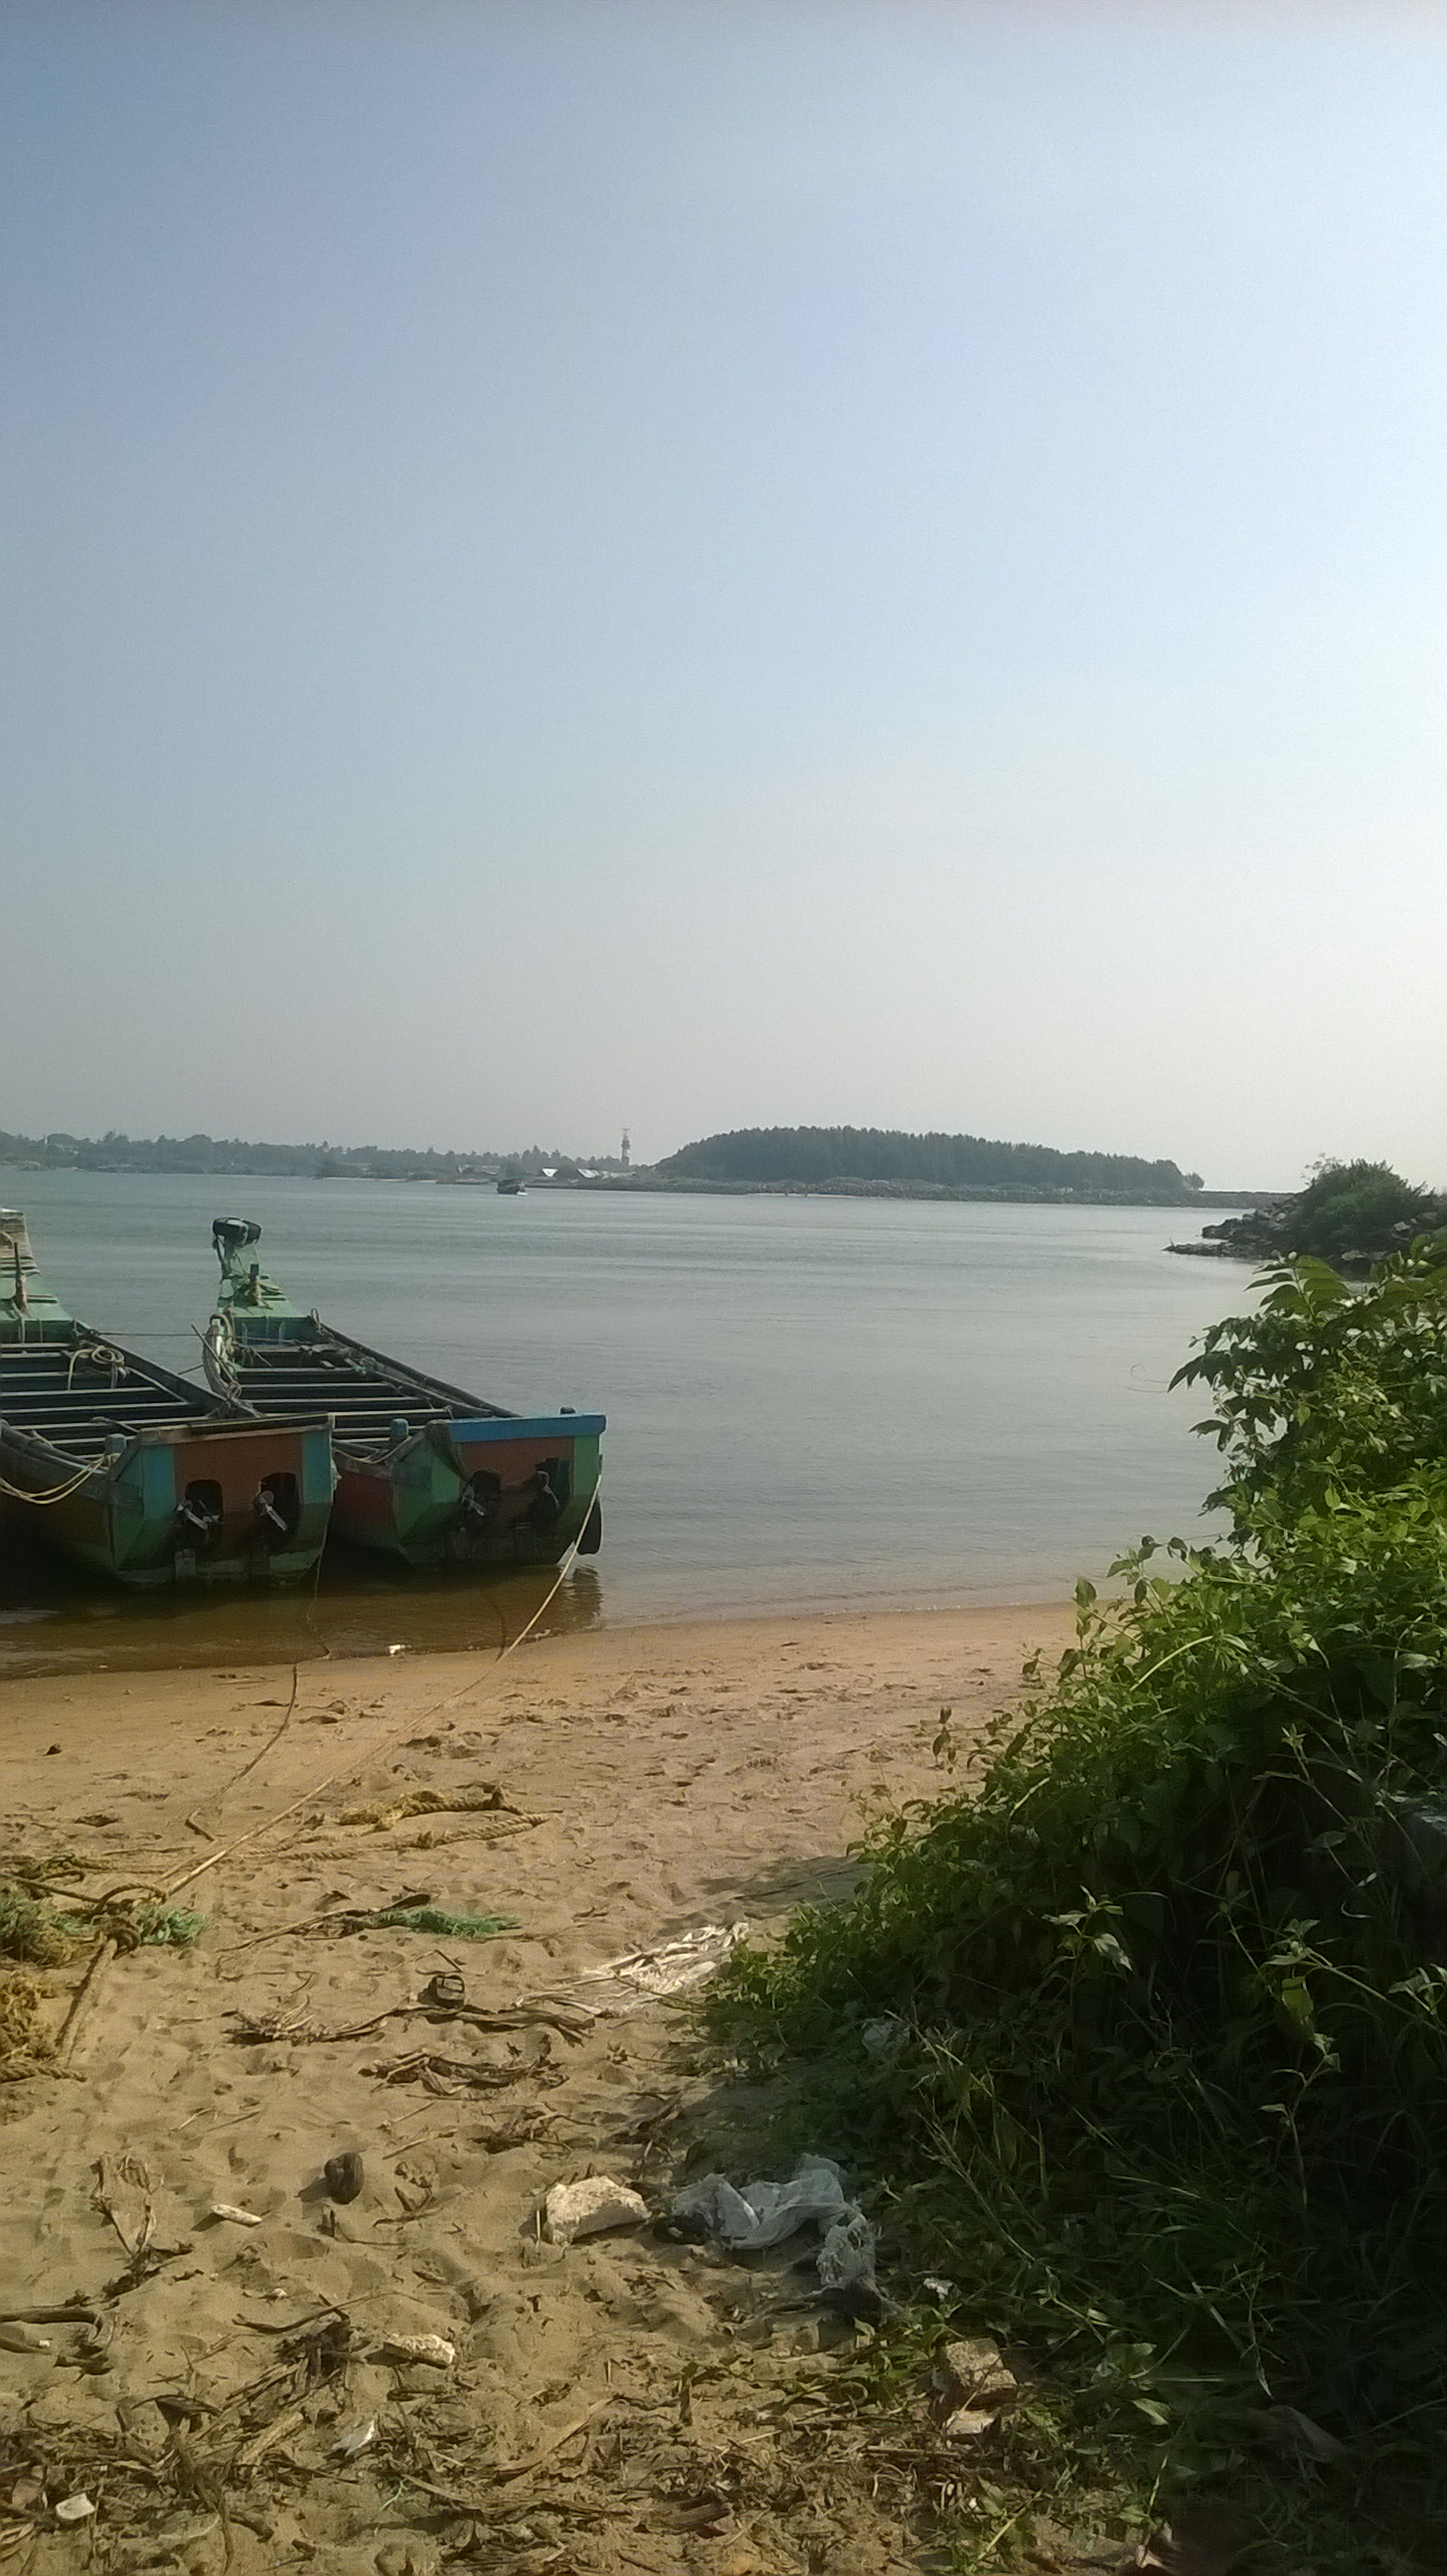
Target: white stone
420, 2347
970, 2373
585, 2208
967, 2424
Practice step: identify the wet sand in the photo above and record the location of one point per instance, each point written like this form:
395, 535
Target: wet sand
656, 1780
56, 1619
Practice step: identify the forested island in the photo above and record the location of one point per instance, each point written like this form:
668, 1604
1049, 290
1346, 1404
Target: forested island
884, 1160
868, 1162
872, 1161
1349, 1214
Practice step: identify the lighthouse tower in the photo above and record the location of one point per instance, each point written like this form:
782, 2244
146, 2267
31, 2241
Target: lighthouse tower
627, 1148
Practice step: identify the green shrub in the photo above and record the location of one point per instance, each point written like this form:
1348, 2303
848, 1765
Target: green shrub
1165, 2082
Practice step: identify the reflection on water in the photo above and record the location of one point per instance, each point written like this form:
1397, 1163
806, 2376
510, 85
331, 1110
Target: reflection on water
54, 1618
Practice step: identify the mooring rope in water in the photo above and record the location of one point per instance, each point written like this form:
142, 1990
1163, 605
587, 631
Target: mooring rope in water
349, 1770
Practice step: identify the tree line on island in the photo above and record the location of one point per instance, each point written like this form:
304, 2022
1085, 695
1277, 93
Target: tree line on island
883, 1157
874, 1160
1349, 1214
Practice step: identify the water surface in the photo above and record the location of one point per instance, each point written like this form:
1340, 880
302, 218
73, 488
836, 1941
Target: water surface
813, 1403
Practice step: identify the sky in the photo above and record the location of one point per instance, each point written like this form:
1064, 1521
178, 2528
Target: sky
695, 563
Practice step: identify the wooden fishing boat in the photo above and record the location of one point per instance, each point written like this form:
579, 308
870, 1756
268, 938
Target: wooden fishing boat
134, 1471
425, 1471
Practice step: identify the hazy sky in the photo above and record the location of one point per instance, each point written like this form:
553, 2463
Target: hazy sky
710, 563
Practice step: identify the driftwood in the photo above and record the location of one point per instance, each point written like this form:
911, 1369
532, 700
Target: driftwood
569, 2022
82, 2001
426, 2066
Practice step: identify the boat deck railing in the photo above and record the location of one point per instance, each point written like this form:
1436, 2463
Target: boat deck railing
363, 1403
50, 1389
92, 1439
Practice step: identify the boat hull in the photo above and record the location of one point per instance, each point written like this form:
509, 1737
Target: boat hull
427, 1475
263, 1491
475, 1493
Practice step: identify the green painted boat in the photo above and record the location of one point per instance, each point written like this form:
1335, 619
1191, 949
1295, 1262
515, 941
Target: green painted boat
425, 1472
137, 1473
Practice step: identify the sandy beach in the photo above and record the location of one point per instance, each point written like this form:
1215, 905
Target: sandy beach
618, 2404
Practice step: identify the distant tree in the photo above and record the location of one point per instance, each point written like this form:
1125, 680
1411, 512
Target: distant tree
1360, 1207
1350, 1214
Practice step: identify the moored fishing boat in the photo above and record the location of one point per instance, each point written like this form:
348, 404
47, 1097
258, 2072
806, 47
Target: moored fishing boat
425, 1471
135, 1472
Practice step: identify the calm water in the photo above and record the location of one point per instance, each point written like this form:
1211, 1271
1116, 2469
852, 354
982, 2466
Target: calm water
811, 1402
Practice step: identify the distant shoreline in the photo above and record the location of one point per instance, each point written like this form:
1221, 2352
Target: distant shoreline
1005, 1193
643, 1183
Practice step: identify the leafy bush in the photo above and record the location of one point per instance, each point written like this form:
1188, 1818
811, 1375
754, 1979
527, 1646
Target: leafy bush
1325, 1388
1348, 1213
1358, 1207
1166, 2078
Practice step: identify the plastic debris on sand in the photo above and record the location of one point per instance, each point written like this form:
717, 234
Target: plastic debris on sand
358, 2440
639, 1977
762, 2214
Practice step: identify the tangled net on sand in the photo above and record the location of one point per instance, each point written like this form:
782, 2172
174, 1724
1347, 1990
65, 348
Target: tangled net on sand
43, 1924
29, 1930
25, 2042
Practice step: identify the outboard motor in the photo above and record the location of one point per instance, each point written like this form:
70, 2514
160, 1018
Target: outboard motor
277, 1506
200, 1508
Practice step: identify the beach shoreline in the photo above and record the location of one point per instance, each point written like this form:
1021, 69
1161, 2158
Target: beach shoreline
653, 1781
124, 1638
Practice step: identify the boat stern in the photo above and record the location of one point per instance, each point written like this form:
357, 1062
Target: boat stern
240, 1502
487, 1490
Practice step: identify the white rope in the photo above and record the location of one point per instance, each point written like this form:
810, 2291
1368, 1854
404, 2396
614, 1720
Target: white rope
218, 1352
58, 1493
410, 1724
101, 1355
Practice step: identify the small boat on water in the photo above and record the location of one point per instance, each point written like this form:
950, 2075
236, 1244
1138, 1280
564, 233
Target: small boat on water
135, 1472
426, 1472
511, 1189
